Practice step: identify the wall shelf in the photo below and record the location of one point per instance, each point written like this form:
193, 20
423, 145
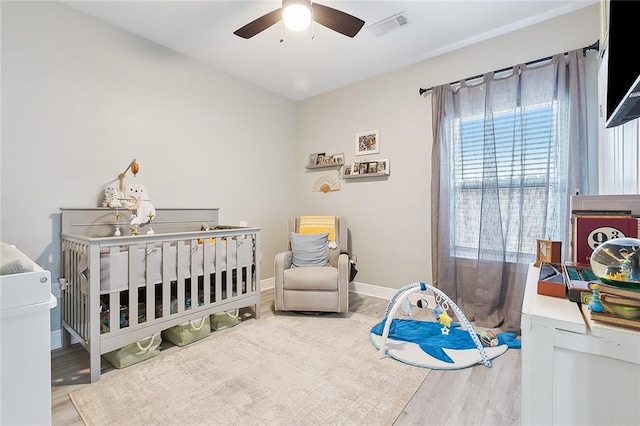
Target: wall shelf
365, 175
324, 166
365, 169
319, 160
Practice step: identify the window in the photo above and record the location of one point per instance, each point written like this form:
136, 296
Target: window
507, 161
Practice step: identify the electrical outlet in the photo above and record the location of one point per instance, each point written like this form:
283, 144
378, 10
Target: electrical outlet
55, 290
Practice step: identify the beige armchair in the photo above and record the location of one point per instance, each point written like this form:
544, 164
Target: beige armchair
313, 288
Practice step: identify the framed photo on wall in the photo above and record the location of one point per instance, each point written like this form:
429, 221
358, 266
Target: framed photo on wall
368, 142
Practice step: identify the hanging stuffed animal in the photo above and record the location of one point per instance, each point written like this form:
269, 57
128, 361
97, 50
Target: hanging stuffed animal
112, 197
138, 199
443, 318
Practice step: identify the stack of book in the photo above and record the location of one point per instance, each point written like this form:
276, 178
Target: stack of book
621, 305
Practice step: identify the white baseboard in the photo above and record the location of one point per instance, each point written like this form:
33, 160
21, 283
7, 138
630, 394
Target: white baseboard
387, 293
269, 283
371, 290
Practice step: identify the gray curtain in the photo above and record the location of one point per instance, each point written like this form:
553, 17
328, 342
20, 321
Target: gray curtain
508, 152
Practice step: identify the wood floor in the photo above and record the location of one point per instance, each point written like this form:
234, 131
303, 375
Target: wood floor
472, 396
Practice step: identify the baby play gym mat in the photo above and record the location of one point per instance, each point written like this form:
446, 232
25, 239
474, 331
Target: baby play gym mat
444, 344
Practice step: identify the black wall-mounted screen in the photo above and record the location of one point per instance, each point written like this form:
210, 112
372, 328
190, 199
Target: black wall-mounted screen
623, 42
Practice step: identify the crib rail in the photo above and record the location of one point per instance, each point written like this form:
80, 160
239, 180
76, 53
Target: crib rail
158, 281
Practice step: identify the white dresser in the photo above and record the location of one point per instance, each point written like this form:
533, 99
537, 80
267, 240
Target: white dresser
575, 371
25, 343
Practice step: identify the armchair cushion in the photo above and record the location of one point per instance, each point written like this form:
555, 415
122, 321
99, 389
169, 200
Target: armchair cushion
313, 278
309, 249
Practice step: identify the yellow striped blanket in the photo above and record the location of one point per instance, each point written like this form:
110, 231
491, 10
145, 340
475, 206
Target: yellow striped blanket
318, 225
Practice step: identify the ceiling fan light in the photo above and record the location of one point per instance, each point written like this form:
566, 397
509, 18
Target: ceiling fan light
297, 15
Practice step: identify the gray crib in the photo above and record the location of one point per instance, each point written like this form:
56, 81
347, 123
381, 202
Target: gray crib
118, 290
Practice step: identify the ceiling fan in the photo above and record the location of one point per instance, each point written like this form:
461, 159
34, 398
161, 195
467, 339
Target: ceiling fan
297, 15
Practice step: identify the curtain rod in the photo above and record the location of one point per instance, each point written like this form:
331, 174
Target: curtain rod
594, 46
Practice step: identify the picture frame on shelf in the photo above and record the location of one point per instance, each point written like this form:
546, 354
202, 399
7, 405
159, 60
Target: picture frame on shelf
320, 159
368, 142
347, 171
383, 166
313, 159
372, 167
327, 160
363, 168
338, 159
355, 168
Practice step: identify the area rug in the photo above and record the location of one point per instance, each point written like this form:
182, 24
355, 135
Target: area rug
280, 369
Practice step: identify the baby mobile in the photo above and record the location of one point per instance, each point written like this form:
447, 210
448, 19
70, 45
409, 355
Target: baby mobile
132, 197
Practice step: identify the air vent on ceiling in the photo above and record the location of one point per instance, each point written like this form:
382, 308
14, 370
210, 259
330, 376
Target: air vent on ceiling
389, 24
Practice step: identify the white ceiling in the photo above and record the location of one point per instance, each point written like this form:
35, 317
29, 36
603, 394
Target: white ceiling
301, 67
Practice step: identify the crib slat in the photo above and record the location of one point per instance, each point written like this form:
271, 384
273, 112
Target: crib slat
114, 300
132, 305
83, 311
230, 241
71, 278
240, 241
80, 307
166, 282
207, 248
219, 268
234, 263
72, 295
73, 287
193, 260
254, 282
150, 304
180, 264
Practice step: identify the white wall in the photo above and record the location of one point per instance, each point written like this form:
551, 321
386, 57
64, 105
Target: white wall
389, 219
81, 99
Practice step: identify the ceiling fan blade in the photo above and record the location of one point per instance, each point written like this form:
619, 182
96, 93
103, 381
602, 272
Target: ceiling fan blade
260, 24
337, 20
